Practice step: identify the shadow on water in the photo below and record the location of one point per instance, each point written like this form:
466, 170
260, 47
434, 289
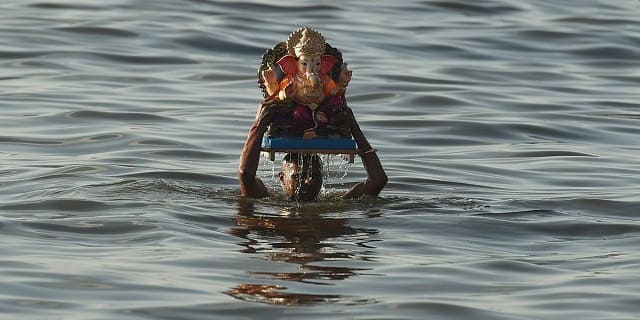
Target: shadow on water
303, 236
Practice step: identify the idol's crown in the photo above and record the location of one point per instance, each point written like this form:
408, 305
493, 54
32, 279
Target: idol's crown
305, 41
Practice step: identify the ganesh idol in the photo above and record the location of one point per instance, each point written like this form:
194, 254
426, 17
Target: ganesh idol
302, 78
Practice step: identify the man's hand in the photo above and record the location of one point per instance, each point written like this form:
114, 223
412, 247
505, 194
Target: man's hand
343, 118
376, 177
268, 109
250, 184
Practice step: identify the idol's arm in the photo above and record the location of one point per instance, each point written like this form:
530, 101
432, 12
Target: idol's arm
376, 177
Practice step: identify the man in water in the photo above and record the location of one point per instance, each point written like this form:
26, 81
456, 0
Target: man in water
301, 175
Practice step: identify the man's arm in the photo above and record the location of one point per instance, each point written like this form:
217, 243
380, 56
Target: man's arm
250, 184
376, 177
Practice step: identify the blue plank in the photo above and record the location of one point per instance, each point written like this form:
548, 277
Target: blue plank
294, 143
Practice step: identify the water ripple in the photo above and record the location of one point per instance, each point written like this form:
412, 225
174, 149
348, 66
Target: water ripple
508, 132
89, 227
17, 140
120, 116
278, 8
63, 6
476, 9
60, 205
215, 44
103, 31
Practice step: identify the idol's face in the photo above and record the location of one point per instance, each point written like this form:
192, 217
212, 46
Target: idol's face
309, 64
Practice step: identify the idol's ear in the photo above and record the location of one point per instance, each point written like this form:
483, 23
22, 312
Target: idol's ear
327, 62
288, 64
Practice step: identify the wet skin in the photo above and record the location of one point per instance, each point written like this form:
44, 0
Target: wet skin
301, 183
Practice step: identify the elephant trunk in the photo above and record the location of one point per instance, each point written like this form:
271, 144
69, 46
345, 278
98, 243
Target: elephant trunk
313, 79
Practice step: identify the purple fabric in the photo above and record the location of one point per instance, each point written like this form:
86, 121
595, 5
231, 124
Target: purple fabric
302, 119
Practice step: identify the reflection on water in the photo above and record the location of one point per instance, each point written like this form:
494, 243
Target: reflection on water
304, 238
509, 131
272, 294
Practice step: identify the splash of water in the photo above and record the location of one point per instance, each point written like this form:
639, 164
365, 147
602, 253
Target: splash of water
335, 168
268, 166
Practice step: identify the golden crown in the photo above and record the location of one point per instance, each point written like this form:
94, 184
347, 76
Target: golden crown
305, 41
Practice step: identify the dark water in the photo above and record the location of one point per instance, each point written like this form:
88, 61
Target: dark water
509, 131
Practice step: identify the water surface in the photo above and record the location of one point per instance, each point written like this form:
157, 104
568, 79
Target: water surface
509, 132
